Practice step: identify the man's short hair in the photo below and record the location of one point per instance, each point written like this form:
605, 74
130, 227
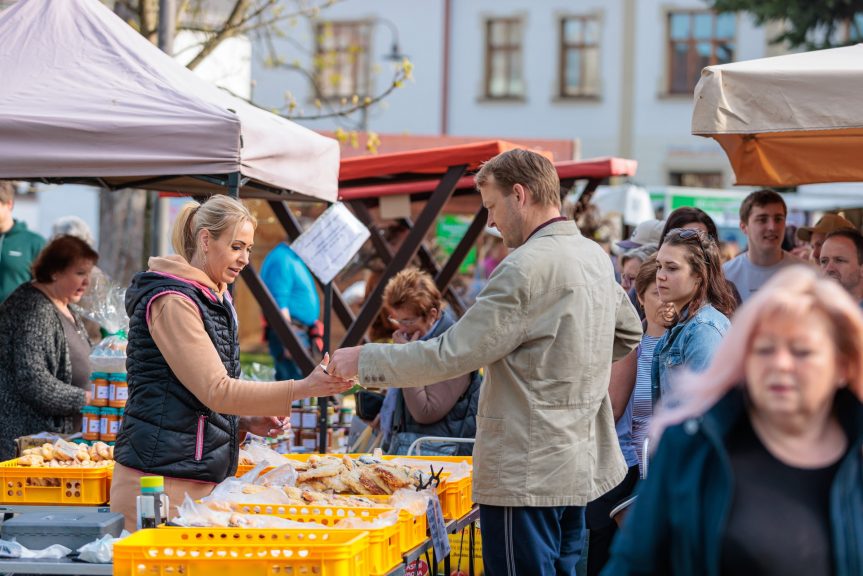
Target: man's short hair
7, 192
760, 198
854, 236
533, 171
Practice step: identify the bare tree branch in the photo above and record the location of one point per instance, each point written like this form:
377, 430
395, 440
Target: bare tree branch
228, 30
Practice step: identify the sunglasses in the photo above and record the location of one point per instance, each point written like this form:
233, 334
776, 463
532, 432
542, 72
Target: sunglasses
689, 234
684, 233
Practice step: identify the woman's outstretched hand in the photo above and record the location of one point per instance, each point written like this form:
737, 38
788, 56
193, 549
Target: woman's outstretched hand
321, 383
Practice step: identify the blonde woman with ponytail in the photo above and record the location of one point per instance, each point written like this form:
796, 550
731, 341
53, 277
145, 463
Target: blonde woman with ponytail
188, 410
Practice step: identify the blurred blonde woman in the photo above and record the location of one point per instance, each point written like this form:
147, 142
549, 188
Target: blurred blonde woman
758, 470
183, 416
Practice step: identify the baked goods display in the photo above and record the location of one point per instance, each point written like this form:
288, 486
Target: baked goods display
66, 455
363, 476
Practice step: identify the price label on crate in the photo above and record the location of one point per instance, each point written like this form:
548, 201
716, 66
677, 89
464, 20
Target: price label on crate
437, 527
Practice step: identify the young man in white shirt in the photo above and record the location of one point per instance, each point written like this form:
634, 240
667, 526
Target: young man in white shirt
762, 219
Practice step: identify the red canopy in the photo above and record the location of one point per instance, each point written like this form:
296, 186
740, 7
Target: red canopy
407, 162
427, 161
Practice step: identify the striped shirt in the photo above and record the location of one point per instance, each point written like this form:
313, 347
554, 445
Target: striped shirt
642, 403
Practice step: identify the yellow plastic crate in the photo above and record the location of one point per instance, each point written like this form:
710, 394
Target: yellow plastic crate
457, 498
232, 551
413, 529
385, 544
460, 552
65, 486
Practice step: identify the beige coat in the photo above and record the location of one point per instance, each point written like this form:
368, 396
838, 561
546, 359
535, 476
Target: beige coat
547, 326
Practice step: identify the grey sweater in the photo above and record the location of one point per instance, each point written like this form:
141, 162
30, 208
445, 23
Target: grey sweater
35, 370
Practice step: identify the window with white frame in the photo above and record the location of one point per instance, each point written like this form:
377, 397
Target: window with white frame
579, 56
503, 58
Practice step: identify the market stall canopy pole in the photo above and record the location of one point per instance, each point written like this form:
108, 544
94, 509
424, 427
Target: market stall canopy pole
89, 100
787, 120
408, 249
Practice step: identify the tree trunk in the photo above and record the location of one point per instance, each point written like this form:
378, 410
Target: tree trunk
122, 234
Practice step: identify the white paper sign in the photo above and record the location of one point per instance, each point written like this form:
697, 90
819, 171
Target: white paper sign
330, 243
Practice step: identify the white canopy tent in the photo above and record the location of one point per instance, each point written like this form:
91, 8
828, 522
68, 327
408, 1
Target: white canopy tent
87, 99
786, 120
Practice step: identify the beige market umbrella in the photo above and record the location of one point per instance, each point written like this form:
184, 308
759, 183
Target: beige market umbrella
787, 120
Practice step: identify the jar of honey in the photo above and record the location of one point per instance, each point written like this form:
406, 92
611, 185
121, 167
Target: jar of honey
101, 387
119, 390
109, 424
90, 422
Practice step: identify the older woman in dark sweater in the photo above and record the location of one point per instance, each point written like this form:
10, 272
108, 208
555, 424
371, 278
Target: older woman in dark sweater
44, 362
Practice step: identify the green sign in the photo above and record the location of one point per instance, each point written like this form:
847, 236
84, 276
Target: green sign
718, 205
451, 228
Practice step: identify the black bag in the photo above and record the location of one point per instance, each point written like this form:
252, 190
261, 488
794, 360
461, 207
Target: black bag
369, 404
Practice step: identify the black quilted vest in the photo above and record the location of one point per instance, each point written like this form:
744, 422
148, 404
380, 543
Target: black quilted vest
166, 430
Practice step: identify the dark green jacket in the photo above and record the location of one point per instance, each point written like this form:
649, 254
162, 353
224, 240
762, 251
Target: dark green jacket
676, 525
18, 249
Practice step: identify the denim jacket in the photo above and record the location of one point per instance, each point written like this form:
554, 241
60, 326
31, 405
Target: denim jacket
690, 344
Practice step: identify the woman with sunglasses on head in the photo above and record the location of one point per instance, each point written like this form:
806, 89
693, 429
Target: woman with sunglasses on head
443, 409
758, 468
690, 278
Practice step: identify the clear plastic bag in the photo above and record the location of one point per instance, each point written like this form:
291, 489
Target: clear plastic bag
100, 551
237, 490
201, 515
11, 549
284, 475
416, 503
260, 453
222, 514
104, 303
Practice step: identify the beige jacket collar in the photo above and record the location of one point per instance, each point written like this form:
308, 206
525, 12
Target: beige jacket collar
178, 266
564, 227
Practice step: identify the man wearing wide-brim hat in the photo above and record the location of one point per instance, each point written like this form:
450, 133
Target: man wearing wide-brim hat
815, 235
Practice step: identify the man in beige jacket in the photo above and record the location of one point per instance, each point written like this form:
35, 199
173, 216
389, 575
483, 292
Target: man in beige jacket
547, 326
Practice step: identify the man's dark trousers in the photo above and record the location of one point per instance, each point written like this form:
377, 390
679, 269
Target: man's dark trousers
532, 541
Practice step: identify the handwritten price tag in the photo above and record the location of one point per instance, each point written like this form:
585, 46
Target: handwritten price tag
437, 527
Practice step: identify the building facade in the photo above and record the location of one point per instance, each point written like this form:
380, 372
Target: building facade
615, 75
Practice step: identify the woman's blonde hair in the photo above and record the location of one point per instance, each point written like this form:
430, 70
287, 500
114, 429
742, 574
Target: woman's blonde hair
217, 214
793, 292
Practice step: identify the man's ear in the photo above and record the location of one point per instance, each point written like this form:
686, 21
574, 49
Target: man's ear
520, 194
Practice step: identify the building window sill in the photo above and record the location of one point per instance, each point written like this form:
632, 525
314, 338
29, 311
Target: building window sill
502, 99
577, 98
